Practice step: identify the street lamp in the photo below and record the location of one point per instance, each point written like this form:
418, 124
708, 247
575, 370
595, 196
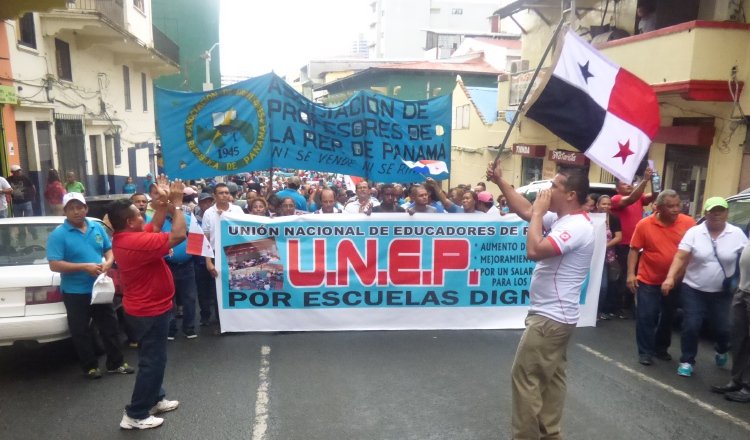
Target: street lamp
207, 57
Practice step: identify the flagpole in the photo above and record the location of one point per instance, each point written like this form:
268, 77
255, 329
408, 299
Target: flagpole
517, 115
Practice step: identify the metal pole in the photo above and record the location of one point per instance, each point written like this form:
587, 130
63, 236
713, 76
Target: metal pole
531, 83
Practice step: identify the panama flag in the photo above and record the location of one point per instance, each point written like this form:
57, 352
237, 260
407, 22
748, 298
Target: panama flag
427, 167
351, 182
597, 107
197, 243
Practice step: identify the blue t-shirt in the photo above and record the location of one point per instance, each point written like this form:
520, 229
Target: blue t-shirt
299, 201
179, 252
68, 243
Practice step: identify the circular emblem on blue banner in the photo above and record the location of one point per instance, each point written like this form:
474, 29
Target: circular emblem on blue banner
226, 129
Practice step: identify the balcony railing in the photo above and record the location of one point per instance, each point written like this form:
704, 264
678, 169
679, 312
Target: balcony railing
112, 10
166, 46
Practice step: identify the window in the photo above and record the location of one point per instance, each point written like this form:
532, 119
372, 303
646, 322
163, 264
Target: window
62, 54
461, 117
26, 30
117, 144
144, 91
139, 5
126, 86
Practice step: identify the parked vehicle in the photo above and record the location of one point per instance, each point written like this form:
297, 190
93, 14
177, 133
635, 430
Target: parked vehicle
739, 210
98, 204
31, 307
530, 191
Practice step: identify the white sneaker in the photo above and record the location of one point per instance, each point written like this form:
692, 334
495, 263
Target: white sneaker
147, 423
163, 406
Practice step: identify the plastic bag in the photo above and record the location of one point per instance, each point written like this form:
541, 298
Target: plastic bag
103, 291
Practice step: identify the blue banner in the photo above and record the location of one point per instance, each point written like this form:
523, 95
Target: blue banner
350, 271
262, 123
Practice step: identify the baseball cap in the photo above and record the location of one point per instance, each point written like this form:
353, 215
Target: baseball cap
205, 196
189, 191
714, 202
14, 168
484, 196
73, 196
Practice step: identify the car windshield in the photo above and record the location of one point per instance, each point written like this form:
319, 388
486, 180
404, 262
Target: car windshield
739, 213
22, 245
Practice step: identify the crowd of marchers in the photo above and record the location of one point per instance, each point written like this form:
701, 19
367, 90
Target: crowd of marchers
658, 261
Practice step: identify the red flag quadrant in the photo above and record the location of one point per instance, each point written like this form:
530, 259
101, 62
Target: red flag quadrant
197, 243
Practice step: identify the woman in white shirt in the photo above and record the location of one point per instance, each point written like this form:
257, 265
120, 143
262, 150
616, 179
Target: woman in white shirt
707, 254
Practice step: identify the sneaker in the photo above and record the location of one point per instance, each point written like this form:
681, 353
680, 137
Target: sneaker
721, 359
170, 337
663, 355
204, 322
147, 423
163, 406
123, 369
94, 373
603, 317
685, 369
645, 359
132, 344
190, 334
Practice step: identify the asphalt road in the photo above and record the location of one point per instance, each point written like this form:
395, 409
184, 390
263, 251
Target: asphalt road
368, 385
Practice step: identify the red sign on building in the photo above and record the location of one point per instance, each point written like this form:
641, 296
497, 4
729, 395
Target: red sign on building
529, 150
565, 157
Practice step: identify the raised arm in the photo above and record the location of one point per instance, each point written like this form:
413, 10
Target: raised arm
516, 202
637, 190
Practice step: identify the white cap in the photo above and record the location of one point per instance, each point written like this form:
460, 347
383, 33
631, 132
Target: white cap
73, 196
14, 168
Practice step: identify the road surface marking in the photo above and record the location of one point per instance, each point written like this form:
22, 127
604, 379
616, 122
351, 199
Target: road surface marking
261, 396
708, 407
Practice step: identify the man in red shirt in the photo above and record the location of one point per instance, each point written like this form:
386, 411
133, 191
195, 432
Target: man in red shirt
628, 205
148, 291
655, 242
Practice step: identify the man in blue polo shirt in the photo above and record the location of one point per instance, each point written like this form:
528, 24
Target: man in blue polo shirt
80, 251
181, 264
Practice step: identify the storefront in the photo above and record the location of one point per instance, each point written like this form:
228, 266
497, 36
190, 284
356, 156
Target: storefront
532, 161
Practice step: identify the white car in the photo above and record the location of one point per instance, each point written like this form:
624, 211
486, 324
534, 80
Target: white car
31, 307
530, 191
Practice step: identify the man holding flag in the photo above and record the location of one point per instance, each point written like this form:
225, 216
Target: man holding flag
561, 240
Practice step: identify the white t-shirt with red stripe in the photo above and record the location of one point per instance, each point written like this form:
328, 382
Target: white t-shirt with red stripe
557, 281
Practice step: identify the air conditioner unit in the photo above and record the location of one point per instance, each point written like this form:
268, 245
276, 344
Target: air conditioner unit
519, 66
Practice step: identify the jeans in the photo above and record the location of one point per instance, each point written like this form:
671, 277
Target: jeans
624, 299
697, 306
151, 334
741, 337
603, 300
206, 285
23, 209
654, 312
185, 289
80, 312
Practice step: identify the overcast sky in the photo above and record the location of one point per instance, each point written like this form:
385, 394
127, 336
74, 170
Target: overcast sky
258, 36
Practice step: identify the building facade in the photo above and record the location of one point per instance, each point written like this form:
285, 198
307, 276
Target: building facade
84, 76
398, 29
696, 56
178, 21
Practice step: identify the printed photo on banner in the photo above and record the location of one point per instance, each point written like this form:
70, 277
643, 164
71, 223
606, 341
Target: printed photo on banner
254, 265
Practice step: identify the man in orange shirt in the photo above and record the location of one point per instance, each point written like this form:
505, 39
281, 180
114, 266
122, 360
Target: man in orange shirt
656, 238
